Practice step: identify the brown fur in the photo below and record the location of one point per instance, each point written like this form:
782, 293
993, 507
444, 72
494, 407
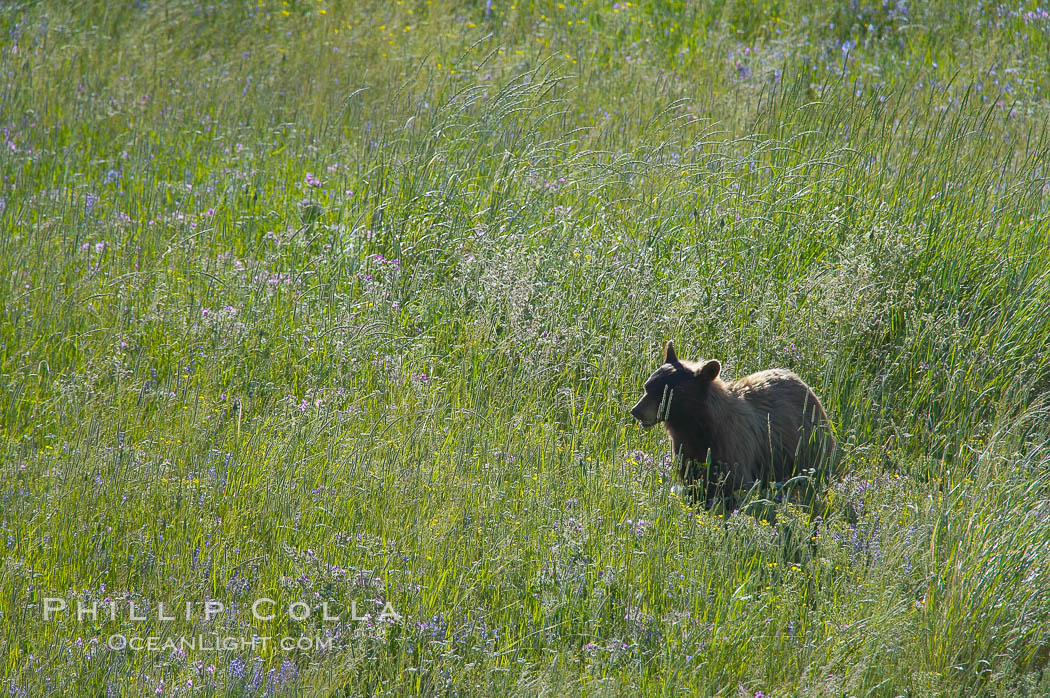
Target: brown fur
767, 426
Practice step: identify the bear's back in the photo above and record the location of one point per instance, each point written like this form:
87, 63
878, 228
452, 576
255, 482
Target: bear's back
785, 410
775, 390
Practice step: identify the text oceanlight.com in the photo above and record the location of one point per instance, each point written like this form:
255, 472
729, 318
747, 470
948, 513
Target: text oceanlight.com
218, 643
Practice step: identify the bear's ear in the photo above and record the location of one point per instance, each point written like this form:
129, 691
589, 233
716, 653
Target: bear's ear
669, 355
709, 371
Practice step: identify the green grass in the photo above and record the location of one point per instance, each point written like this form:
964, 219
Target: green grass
415, 389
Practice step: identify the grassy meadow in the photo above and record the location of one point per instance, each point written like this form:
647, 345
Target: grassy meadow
346, 302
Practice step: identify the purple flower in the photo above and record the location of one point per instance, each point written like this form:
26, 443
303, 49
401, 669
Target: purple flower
284, 676
311, 180
257, 675
639, 527
570, 526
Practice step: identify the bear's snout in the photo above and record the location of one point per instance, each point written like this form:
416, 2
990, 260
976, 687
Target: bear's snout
646, 416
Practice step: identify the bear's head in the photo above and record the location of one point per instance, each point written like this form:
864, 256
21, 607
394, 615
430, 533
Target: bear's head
658, 398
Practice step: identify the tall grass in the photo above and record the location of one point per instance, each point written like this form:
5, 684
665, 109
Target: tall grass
345, 303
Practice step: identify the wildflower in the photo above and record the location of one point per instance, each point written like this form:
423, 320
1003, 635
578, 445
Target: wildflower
237, 668
571, 526
285, 675
638, 528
